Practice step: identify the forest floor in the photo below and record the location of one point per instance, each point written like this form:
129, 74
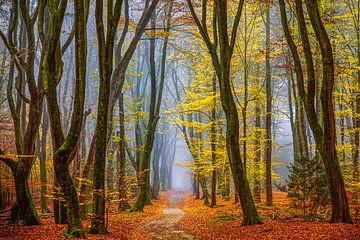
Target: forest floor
281, 221
123, 225
179, 216
167, 226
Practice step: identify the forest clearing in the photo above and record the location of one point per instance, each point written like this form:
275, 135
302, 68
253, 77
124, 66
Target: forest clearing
180, 119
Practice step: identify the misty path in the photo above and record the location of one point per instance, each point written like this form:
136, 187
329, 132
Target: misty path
166, 227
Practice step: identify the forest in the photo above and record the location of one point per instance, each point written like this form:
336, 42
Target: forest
180, 119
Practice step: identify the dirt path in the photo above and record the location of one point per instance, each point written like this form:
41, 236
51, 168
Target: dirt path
165, 227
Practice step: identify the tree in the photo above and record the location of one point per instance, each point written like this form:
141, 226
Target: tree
105, 55
307, 183
116, 84
51, 69
222, 65
43, 176
155, 107
268, 122
324, 134
25, 132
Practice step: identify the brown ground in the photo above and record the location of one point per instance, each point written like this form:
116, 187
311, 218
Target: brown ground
280, 222
178, 216
122, 225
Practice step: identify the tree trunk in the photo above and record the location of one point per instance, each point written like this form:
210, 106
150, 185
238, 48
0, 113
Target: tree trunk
84, 186
155, 188
155, 107
68, 189
59, 205
103, 128
2, 202
43, 178
123, 203
23, 209
268, 150
257, 186
144, 196
222, 65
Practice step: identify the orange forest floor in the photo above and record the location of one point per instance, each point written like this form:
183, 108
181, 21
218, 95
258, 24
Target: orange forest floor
123, 225
280, 222
200, 222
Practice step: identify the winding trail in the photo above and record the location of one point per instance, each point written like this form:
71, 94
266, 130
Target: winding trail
166, 227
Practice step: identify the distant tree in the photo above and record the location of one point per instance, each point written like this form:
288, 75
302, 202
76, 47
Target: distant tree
155, 106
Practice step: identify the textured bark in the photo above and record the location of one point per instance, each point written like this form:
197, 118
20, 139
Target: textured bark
155, 187
123, 203
268, 122
43, 177
23, 208
84, 186
213, 146
60, 214
257, 186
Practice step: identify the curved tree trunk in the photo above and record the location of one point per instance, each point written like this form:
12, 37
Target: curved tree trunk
222, 63
23, 209
323, 127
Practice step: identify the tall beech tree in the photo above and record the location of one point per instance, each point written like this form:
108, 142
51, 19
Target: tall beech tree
155, 107
23, 60
111, 84
106, 42
322, 126
221, 59
116, 84
51, 68
268, 121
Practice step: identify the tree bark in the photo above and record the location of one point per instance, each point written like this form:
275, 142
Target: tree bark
213, 145
268, 150
43, 177
123, 203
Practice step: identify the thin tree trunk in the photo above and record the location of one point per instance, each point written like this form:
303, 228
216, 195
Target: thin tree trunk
154, 115
43, 177
268, 150
257, 186
213, 145
123, 203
